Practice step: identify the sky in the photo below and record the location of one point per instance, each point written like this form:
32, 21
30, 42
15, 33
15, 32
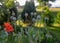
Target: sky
55, 4
22, 2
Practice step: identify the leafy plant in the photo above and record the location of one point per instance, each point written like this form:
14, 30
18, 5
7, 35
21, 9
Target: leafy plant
58, 18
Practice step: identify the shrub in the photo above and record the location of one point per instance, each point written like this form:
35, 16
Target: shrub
58, 18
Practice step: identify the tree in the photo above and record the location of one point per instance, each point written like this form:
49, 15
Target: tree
29, 7
52, 0
45, 2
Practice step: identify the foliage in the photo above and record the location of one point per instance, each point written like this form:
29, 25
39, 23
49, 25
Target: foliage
52, 0
43, 0
48, 14
31, 34
3, 15
58, 18
9, 3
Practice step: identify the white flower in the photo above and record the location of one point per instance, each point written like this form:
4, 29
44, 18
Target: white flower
13, 18
35, 13
33, 19
38, 16
32, 13
48, 35
26, 14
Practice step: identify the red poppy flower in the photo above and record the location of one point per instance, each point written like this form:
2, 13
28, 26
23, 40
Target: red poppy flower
8, 27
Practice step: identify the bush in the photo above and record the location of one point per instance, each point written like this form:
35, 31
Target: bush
49, 15
58, 18
3, 14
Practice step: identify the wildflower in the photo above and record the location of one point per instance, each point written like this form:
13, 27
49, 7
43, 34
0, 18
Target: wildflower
33, 19
19, 22
35, 14
32, 13
38, 17
37, 25
13, 18
24, 25
26, 14
8, 27
48, 35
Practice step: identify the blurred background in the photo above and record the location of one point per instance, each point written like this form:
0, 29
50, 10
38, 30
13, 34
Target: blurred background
29, 21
